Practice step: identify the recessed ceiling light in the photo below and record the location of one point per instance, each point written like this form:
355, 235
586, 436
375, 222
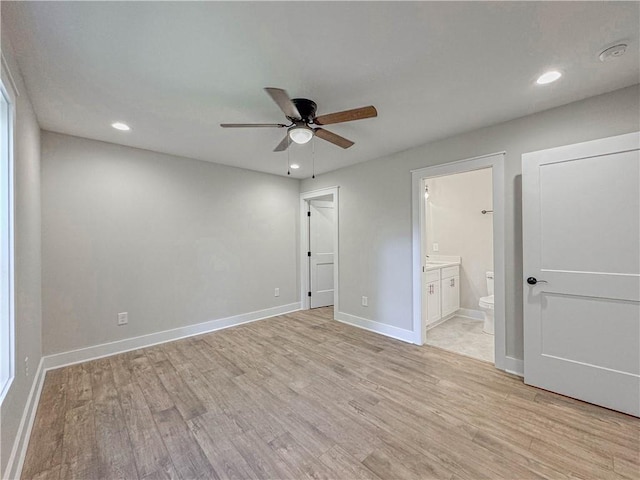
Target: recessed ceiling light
295, 166
121, 126
548, 77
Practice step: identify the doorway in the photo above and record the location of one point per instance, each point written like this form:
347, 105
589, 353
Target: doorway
458, 266
422, 276
319, 260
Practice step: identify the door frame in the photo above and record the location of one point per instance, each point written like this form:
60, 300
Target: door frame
305, 197
495, 161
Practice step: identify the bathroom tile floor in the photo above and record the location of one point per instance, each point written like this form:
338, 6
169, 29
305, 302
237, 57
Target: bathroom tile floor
463, 335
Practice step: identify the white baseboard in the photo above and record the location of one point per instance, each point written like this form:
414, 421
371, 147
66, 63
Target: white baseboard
112, 348
469, 313
514, 365
377, 327
19, 450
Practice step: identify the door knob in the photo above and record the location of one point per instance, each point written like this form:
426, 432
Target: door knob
534, 280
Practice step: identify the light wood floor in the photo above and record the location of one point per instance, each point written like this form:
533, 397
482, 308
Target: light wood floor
301, 396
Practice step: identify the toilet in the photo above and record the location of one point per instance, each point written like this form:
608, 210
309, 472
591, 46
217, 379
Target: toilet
486, 305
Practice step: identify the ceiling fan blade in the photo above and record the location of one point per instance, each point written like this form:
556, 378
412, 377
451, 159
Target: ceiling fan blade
283, 145
284, 102
346, 116
249, 125
333, 138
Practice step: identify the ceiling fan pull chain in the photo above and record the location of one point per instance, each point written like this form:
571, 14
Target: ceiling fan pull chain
313, 157
288, 149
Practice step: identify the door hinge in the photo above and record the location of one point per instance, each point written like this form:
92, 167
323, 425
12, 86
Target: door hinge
308, 213
308, 254
309, 293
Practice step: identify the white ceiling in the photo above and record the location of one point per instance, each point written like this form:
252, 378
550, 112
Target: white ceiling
175, 71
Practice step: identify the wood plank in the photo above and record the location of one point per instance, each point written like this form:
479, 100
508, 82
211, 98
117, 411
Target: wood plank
122, 368
114, 450
186, 454
296, 455
45, 445
627, 468
80, 459
149, 452
79, 389
154, 392
262, 458
339, 460
183, 398
213, 433
51, 474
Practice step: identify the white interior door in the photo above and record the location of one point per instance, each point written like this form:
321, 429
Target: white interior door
322, 252
581, 236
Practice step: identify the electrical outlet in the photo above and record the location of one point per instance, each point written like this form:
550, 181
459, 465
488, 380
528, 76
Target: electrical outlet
26, 366
435, 247
123, 318
276, 292
365, 301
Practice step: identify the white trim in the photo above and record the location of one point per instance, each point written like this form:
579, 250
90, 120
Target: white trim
10, 95
21, 442
514, 366
320, 192
107, 349
470, 313
627, 142
456, 162
376, 327
496, 162
5, 64
304, 240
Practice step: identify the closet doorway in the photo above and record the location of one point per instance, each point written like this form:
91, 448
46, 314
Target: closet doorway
319, 248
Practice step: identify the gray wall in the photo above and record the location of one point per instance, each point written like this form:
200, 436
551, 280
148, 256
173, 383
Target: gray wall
375, 204
454, 221
171, 241
27, 260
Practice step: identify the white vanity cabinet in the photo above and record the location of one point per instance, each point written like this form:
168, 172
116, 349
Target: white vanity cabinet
442, 295
450, 288
433, 296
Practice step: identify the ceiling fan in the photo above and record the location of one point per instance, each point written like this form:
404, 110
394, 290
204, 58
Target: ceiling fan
301, 112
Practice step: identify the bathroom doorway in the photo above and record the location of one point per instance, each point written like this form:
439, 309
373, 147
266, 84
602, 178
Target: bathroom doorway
458, 247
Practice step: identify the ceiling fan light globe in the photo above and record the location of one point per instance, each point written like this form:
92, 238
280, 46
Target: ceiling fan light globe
300, 135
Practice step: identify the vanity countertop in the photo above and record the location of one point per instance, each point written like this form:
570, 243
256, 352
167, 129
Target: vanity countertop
435, 265
434, 262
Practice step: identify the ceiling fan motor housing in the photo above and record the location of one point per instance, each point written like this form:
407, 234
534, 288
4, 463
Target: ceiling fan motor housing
306, 108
